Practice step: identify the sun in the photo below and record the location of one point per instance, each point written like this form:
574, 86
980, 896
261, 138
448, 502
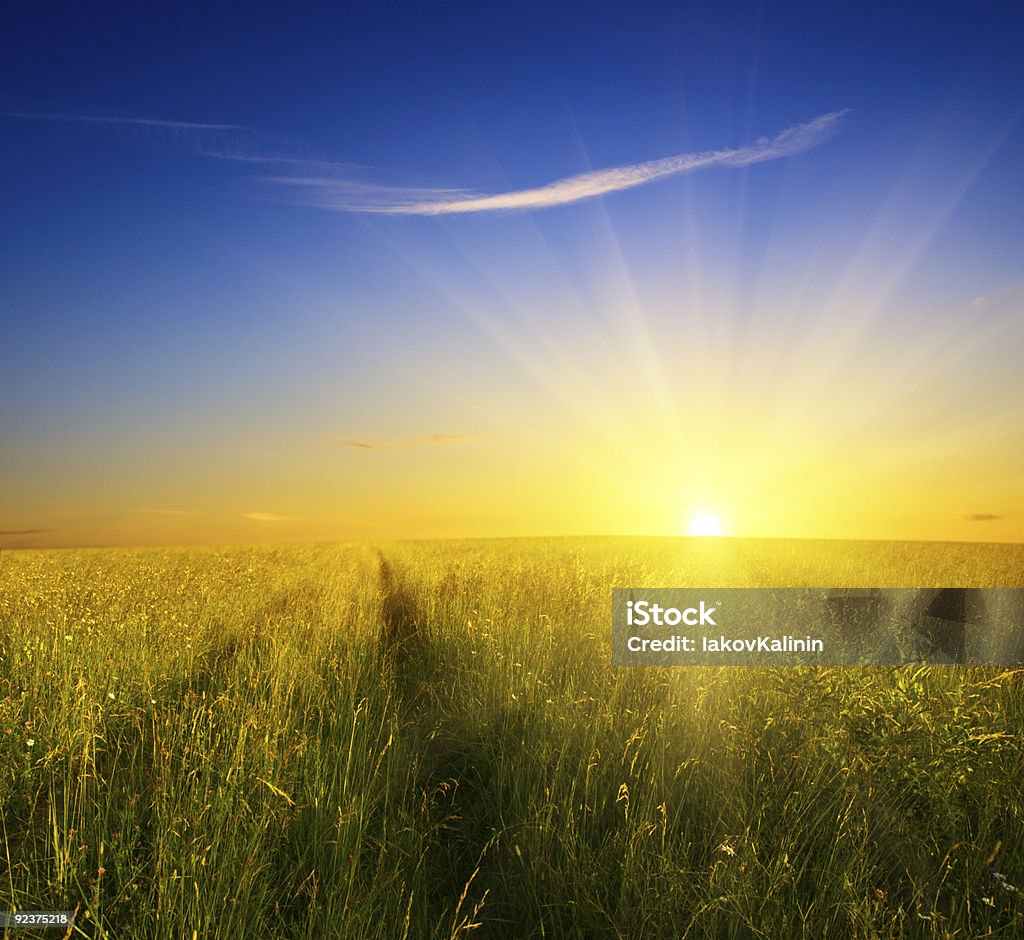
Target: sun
704, 523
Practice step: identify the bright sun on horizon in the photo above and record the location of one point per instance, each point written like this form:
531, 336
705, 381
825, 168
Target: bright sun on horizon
704, 523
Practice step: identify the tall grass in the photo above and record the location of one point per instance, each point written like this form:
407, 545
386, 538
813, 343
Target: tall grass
428, 740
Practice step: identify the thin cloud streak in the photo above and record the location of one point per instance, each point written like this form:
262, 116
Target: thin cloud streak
168, 512
132, 121
329, 189
424, 440
266, 517
348, 196
431, 440
275, 159
233, 142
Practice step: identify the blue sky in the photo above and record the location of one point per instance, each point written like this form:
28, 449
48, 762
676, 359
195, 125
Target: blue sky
199, 319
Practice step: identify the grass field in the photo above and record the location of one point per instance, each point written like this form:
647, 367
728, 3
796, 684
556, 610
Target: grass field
428, 740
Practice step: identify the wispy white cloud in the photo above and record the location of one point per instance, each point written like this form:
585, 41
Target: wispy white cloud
352, 196
326, 183
266, 517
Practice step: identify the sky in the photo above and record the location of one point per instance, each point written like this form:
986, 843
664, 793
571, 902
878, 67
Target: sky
282, 273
